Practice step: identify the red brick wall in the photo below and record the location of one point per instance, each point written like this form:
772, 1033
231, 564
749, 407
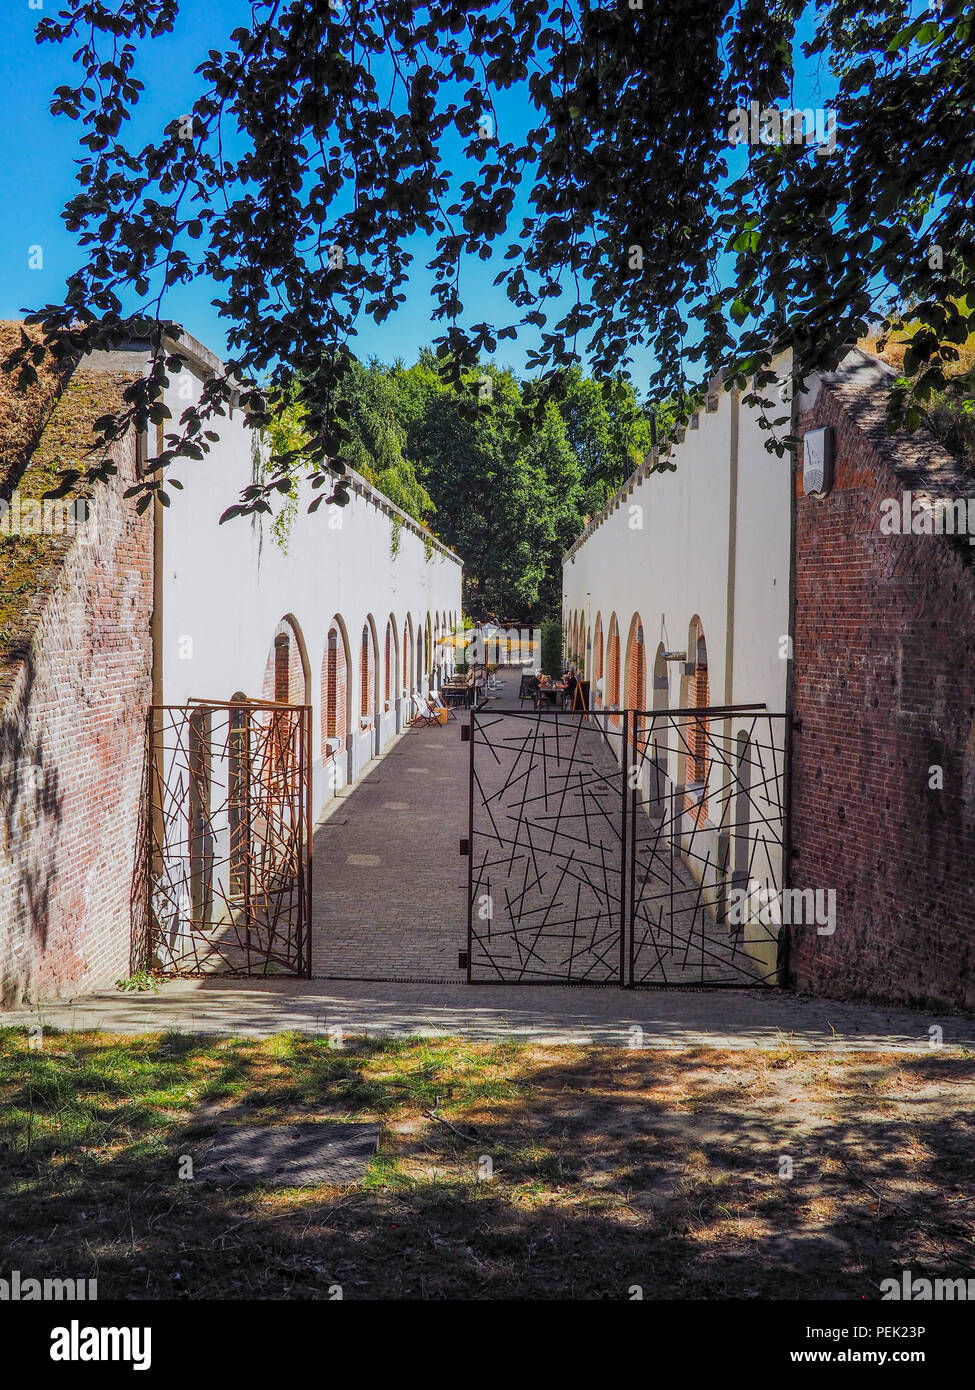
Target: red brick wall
72, 749
636, 671
597, 659
367, 675
406, 680
389, 658
334, 693
636, 680
884, 686
613, 672
288, 685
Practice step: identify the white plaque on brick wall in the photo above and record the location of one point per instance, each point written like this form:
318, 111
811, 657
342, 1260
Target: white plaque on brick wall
817, 462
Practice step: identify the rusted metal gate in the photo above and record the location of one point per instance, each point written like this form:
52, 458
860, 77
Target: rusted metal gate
229, 838
629, 847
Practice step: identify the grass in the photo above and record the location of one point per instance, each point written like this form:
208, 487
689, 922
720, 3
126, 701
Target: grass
949, 415
503, 1170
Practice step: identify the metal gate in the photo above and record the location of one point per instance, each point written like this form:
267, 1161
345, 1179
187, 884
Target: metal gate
229, 838
627, 847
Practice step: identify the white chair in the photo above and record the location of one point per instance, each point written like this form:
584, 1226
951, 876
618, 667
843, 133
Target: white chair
436, 701
421, 711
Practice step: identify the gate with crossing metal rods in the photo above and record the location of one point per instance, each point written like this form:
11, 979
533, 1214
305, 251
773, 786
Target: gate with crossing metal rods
229, 838
626, 847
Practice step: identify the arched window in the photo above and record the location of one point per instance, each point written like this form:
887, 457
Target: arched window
287, 675
365, 702
388, 667
613, 670
659, 733
238, 792
636, 666
282, 661
200, 831
597, 663
286, 682
636, 678
698, 730
334, 692
743, 809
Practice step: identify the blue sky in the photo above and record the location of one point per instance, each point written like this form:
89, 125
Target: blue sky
37, 174
37, 177
38, 167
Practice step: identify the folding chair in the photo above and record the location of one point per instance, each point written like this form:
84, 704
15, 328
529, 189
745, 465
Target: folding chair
436, 701
527, 689
422, 713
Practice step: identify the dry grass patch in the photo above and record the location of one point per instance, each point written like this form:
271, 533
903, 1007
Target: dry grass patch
503, 1170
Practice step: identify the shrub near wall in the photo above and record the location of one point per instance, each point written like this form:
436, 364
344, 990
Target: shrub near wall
883, 769
551, 658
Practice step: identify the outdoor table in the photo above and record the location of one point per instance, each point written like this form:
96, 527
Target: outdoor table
551, 692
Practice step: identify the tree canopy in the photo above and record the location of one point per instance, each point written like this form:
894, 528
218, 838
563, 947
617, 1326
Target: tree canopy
326, 140
510, 503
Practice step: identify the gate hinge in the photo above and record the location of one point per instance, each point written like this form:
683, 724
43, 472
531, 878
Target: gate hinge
465, 733
461, 960
465, 848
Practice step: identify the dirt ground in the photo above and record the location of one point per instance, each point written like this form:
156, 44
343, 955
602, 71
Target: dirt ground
503, 1171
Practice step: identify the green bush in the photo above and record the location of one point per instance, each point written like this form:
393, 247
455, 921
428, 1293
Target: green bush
551, 660
951, 419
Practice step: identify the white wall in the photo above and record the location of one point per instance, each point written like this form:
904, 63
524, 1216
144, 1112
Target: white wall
226, 588
663, 546
710, 540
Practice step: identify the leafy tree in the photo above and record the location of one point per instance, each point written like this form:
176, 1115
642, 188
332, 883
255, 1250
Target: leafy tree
368, 401
550, 459
607, 429
490, 490
551, 654
510, 503
344, 124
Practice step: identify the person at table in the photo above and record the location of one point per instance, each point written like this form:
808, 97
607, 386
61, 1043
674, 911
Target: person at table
569, 686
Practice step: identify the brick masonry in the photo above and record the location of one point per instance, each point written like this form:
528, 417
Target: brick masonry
75, 689
334, 694
884, 689
284, 672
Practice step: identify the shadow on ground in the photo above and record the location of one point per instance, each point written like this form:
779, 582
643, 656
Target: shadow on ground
504, 1171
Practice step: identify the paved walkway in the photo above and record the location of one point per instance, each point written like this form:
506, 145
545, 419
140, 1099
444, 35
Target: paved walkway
538, 1013
389, 897
389, 885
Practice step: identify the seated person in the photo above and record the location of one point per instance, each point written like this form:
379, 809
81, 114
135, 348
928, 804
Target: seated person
570, 684
543, 686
